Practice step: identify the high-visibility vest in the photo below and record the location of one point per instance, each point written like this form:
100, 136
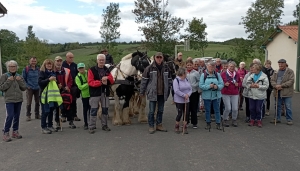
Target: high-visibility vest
51, 94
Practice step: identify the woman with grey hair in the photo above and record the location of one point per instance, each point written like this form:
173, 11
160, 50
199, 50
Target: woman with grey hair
182, 92
12, 84
230, 93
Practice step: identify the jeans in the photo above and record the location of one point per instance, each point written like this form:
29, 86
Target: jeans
216, 106
231, 104
45, 116
86, 109
152, 105
288, 107
13, 111
256, 109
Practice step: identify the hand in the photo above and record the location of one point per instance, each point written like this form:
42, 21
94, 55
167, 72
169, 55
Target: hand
52, 78
211, 85
18, 78
236, 84
67, 88
59, 86
11, 78
278, 87
256, 85
227, 84
104, 78
186, 97
252, 86
104, 82
215, 87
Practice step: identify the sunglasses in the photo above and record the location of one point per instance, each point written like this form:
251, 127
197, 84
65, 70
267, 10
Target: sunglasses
159, 57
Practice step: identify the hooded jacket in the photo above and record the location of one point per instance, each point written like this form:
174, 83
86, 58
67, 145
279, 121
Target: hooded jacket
261, 92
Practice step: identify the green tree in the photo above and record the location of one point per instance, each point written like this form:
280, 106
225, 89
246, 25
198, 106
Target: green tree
242, 49
197, 35
10, 46
261, 20
296, 15
160, 28
33, 46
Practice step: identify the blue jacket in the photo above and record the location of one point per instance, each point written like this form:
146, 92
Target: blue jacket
207, 92
31, 78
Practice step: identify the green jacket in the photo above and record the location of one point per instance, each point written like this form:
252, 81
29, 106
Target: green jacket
12, 88
82, 84
51, 94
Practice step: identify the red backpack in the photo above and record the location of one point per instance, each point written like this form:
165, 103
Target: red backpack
67, 99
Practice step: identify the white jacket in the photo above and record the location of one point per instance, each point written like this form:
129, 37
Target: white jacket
194, 78
261, 92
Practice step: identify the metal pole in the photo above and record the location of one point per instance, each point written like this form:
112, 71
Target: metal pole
0, 60
298, 54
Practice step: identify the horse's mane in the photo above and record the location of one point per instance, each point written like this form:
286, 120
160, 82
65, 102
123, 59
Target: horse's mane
129, 56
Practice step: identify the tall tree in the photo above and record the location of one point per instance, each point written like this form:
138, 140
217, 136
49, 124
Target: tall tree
296, 15
197, 35
160, 28
111, 22
261, 20
33, 46
242, 49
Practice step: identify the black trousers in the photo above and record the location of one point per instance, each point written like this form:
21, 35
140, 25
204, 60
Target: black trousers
193, 108
74, 93
247, 107
180, 111
86, 109
268, 98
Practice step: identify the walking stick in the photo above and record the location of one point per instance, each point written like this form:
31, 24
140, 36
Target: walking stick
60, 117
276, 101
184, 118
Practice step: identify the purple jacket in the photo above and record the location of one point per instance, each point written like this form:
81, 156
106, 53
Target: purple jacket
181, 88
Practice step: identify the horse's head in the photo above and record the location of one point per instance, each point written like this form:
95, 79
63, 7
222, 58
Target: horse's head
140, 60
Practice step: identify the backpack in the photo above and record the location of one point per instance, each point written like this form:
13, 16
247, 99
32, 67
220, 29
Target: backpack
27, 69
81, 81
178, 80
67, 99
205, 75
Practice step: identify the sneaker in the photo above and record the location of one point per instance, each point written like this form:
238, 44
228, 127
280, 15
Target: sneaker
85, 127
234, 123
259, 124
289, 123
37, 116
273, 121
6, 137
105, 128
52, 129
46, 131
267, 113
251, 123
218, 126
226, 124
76, 119
91, 131
151, 130
71, 125
28, 118
195, 127
208, 126
16, 135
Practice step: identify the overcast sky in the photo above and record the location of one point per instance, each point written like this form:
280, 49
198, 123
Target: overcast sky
60, 21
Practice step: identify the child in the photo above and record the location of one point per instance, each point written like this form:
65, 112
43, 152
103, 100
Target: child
81, 81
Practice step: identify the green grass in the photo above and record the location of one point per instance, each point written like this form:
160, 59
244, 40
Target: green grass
89, 52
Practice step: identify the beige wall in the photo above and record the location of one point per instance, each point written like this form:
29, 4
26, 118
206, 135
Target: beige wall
283, 48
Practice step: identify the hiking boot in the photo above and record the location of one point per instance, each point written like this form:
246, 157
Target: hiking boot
37, 116
63, 119
91, 131
46, 131
28, 118
218, 126
195, 127
76, 119
247, 120
159, 127
234, 123
52, 129
267, 113
105, 128
177, 128
251, 123
85, 127
151, 130
226, 124
184, 130
208, 126
16, 135
273, 121
259, 123
289, 123
71, 125
6, 137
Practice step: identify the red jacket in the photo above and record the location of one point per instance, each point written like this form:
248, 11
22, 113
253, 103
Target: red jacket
242, 72
231, 89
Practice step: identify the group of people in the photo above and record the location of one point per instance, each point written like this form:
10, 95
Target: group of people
216, 87
55, 86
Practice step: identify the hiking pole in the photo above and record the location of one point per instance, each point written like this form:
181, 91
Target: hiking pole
184, 118
276, 101
60, 117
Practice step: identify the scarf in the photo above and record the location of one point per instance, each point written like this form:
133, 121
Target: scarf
231, 75
256, 76
189, 70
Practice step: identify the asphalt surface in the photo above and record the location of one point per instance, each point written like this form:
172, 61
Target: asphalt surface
132, 148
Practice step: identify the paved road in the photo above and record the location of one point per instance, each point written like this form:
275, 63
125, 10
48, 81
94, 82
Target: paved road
132, 148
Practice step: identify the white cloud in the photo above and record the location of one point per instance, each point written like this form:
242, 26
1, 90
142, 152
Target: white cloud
221, 17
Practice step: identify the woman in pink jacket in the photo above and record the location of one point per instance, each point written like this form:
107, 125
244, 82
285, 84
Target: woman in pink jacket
230, 93
242, 72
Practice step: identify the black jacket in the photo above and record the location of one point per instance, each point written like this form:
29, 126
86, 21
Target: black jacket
109, 59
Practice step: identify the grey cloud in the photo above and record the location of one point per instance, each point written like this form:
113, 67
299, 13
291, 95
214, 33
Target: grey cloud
93, 20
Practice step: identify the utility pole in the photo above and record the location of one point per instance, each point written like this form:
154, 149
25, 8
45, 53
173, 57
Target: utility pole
298, 54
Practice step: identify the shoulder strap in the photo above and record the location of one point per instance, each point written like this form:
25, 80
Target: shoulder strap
27, 69
80, 78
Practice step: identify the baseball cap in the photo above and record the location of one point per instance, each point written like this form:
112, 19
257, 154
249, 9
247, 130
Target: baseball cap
80, 65
158, 54
282, 61
58, 58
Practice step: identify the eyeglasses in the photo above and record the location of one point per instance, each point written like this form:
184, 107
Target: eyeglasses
12, 66
160, 57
